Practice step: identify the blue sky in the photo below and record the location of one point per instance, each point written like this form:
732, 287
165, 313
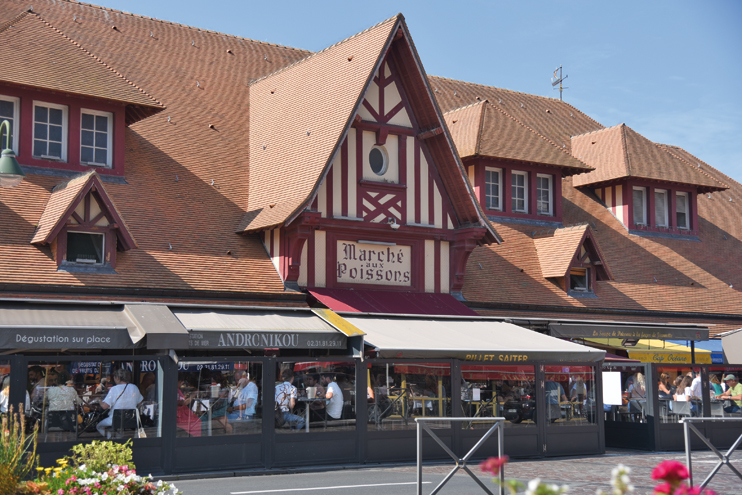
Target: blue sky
670, 70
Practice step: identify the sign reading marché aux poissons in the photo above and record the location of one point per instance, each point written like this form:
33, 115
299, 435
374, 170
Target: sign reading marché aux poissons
373, 264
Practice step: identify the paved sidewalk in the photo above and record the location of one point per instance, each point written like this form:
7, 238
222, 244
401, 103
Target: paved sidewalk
583, 474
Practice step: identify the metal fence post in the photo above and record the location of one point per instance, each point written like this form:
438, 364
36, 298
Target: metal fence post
419, 458
686, 434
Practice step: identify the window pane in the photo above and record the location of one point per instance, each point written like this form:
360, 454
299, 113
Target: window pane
638, 206
492, 391
660, 208
67, 399
39, 147
55, 116
101, 140
624, 393
492, 182
84, 248
40, 131
55, 149
86, 154
316, 395
219, 398
88, 121
400, 392
55, 133
720, 406
87, 138
100, 156
41, 114
7, 109
101, 123
685, 397
570, 395
681, 207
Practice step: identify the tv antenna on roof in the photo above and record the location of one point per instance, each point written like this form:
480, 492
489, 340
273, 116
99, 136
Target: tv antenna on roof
558, 80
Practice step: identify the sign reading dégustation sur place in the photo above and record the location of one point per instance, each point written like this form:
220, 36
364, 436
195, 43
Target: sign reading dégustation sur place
66, 338
373, 264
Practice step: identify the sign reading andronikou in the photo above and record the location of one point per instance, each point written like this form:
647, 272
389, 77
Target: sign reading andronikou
266, 340
373, 264
65, 338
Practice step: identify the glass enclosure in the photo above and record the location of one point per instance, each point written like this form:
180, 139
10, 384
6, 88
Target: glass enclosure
94, 399
625, 393
724, 383
219, 398
498, 391
4, 387
680, 393
570, 395
315, 396
397, 393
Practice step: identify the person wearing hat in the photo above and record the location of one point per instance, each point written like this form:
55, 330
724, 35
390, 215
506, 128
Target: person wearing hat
734, 392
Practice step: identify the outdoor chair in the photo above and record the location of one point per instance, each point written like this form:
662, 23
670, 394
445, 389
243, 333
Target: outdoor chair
63, 420
123, 419
717, 409
680, 409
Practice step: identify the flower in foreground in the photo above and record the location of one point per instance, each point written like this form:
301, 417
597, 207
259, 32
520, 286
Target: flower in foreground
493, 465
671, 471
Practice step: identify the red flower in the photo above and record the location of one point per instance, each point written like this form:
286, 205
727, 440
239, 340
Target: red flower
663, 489
670, 471
493, 465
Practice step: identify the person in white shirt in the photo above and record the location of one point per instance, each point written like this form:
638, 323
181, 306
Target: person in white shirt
333, 392
123, 395
286, 395
695, 386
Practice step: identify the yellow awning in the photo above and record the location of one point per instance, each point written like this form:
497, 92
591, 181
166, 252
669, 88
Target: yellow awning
657, 351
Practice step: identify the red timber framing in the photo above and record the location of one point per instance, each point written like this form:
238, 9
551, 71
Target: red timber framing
407, 207
618, 198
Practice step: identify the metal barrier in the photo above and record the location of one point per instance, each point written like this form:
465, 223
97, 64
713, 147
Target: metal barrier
723, 458
460, 462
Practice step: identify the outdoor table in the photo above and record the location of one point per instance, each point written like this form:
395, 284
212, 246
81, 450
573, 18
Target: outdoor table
307, 402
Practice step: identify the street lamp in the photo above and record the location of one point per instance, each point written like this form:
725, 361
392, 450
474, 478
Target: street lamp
10, 170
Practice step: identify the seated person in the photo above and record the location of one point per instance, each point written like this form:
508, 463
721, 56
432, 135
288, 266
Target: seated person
554, 394
123, 395
244, 403
734, 393
335, 396
286, 399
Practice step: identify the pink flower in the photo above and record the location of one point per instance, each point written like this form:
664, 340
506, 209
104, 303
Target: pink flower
663, 489
493, 465
670, 471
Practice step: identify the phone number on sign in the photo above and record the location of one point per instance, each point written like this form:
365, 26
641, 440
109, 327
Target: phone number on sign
324, 343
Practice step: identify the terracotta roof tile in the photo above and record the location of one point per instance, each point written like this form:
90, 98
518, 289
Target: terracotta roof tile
298, 117
500, 135
556, 251
619, 152
36, 54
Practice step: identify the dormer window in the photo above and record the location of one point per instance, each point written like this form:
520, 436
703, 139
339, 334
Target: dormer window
85, 248
544, 201
660, 208
579, 279
9, 111
681, 210
96, 137
50, 131
519, 191
640, 205
493, 184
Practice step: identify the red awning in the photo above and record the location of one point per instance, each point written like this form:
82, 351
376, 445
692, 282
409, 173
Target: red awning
391, 302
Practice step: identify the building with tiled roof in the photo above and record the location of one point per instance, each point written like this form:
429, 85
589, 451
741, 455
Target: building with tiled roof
199, 210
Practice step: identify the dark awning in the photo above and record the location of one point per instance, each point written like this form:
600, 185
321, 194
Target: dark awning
469, 339
620, 330
162, 328
259, 329
391, 302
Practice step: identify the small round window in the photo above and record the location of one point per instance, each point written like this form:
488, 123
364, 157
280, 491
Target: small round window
378, 159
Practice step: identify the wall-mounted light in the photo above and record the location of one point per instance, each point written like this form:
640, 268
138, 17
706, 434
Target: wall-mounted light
393, 222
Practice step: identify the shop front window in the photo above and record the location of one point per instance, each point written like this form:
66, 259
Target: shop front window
76, 400
570, 395
219, 398
723, 385
498, 391
625, 393
685, 397
315, 396
398, 393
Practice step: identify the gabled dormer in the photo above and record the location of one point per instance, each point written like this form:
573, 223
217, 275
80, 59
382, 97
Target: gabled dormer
516, 172
68, 110
571, 258
83, 226
650, 190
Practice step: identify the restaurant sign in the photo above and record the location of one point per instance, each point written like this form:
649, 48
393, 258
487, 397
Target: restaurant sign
373, 264
670, 357
587, 330
265, 340
65, 338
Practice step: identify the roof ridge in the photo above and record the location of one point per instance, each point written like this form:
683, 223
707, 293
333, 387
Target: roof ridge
596, 131
732, 179
625, 147
154, 19
563, 150
498, 88
312, 54
97, 59
9, 23
478, 102
480, 130
63, 185
697, 169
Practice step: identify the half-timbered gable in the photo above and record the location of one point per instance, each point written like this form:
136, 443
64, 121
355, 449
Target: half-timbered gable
392, 209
